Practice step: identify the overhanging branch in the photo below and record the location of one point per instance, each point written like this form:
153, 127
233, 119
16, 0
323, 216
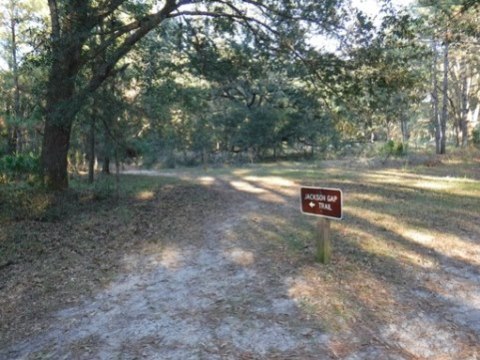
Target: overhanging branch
235, 17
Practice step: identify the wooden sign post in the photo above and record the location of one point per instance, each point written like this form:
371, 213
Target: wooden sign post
324, 244
327, 204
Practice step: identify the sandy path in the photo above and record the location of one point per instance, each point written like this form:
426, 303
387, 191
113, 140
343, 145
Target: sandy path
192, 302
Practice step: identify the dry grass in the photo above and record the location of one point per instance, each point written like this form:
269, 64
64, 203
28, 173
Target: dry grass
405, 229
408, 247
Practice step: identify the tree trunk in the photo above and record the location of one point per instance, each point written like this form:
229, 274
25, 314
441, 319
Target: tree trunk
107, 142
59, 116
404, 128
91, 152
456, 132
464, 106
56, 143
13, 131
12, 139
444, 114
435, 115
473, 119
117, 174
204, 158
106, 165
61, 106
387, 127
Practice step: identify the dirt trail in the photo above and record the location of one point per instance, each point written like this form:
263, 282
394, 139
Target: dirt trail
204, 301
218, 298
194, 303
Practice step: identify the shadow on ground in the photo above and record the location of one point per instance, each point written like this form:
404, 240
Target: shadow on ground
225, 269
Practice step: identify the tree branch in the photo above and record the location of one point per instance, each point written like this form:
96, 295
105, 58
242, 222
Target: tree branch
247, 19
145, 26
107, 10
54, 18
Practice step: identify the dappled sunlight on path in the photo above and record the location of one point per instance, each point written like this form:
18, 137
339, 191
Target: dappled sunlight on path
189, 302
228, 272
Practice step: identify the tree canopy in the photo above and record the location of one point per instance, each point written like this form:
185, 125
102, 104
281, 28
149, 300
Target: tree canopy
214, 80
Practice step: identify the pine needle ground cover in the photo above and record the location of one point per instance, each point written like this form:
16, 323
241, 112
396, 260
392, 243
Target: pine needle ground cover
220, 264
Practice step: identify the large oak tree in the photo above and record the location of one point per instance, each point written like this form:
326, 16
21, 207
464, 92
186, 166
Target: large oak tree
75, 48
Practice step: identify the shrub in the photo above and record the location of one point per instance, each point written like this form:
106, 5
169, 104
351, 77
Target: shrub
19, 167
19, 201
391, 148
400, 149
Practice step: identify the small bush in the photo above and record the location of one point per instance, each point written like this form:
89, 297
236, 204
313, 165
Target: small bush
400, 149
20, 201
19, 167
391, 148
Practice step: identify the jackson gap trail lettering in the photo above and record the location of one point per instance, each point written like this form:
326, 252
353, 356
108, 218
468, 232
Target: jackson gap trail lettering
324, 202
327, 204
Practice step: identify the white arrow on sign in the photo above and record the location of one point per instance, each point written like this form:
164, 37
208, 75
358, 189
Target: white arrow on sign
312, 204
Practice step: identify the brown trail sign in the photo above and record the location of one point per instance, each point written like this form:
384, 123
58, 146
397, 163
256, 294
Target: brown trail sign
324, 202
327, 204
